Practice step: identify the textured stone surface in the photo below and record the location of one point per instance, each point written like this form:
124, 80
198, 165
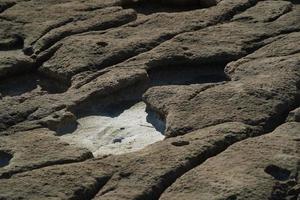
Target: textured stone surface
257, 94
222, 75
145, 173
294, 115
259, 166
36, 149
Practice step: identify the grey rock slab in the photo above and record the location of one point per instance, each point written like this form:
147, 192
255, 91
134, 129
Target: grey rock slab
145, 174
28, 21
261, 92
36, 149
250, 169
14, 62
35, 106
264, 11
69, 181
142, 174
103, 49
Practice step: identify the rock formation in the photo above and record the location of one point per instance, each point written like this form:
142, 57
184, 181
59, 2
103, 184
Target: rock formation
222, 77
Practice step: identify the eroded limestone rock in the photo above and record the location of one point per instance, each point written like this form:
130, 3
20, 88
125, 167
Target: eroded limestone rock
259, 166
218, 73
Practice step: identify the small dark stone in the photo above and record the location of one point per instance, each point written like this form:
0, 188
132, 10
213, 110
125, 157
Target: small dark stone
28, 51
118, 140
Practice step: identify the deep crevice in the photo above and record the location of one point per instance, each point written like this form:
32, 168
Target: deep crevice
90, 193
278, 173
15, 42
6, 5
48, 29
148, 7
20, 84
186, 74
5, 158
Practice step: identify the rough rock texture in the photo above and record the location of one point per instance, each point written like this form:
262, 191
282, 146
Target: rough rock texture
265, 167
36, 149
294, 115
224, 76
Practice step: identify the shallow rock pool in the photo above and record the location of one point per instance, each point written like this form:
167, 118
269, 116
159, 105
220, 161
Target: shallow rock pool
125, 132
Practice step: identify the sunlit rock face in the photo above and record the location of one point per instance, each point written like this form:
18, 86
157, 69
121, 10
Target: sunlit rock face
111, 133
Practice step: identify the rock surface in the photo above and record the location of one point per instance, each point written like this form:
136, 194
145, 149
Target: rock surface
256, 172
222, 77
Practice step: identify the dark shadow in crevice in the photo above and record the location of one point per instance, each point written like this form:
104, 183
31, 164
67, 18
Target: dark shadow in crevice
5, 5
110, 103
294, 1
186, 75
12, 43
5, 158
148, 7
278, 173
115, 109
157, 121
21, 84
66, 128
232, 197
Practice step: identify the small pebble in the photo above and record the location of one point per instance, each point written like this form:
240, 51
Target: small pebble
118, 140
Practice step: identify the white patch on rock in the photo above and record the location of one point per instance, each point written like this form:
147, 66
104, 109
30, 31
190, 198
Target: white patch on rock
125, 133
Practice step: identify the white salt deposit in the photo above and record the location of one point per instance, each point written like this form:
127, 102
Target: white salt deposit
124, 133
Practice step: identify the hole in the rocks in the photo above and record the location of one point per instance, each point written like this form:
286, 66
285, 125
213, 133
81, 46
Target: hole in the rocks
155, 6
186, 75
14, 42
102, 44
116, 129
232, 197
21, 84
4, 158
125, 174
180, 143
278, 173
